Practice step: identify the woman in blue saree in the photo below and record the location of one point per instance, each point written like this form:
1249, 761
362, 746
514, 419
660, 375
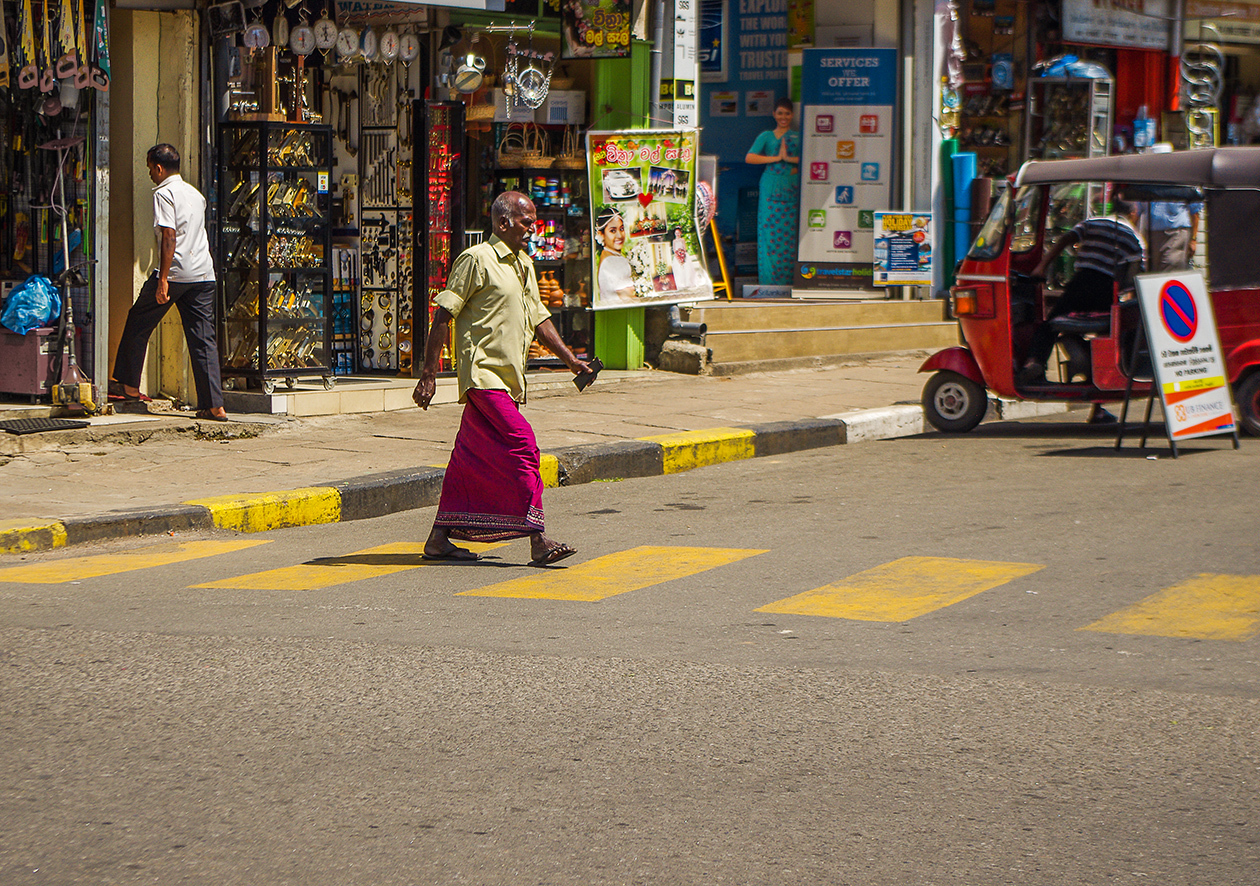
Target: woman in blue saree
778, 206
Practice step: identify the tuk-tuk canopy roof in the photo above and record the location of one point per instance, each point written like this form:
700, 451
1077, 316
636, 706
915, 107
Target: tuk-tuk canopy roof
1226, 168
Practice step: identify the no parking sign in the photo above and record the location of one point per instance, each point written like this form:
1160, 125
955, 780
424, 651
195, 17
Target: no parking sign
1186, 354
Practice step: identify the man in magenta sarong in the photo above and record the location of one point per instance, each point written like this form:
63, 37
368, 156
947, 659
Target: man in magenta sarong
492, 489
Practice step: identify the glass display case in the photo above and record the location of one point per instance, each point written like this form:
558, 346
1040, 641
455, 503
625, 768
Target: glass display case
275, 252
561, 250
1068, 117
439, 236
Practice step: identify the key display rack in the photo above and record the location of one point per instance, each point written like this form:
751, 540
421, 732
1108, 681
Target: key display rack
1068, 117
275, 252
386, 223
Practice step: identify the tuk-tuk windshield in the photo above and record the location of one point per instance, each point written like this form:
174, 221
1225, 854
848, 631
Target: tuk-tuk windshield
1027, 217
991, 240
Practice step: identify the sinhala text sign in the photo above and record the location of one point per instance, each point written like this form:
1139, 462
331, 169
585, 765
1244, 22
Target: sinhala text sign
848, 99
1186, 354
645, 244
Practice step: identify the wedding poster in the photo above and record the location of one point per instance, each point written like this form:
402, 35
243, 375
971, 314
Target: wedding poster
645, 244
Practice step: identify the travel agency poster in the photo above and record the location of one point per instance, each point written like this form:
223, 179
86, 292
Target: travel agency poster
848, 99
645, 244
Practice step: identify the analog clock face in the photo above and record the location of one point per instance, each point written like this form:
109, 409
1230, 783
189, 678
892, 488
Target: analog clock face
368, 44
389, 45
348, 43
302, 40
408, 47
325, 34
280, 30
257, 36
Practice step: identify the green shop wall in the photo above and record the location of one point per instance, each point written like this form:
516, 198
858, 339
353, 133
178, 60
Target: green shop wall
620, 99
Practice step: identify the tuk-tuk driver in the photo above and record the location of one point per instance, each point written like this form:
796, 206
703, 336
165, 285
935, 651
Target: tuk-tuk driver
1109, 250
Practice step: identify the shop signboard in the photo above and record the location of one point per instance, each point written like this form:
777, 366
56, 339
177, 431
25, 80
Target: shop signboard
1186, 354
400, 10
645, 243
1137, 24
595, 28
848, 99
713, 37
903, 248
1222, 21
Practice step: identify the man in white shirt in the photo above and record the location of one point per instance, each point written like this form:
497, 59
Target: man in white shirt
184, 277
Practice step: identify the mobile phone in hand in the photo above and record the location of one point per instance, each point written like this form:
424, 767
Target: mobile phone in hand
587, 377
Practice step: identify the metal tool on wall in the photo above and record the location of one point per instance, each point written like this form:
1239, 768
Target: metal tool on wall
76, 390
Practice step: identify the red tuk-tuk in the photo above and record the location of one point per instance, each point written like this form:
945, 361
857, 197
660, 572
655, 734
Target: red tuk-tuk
998, 303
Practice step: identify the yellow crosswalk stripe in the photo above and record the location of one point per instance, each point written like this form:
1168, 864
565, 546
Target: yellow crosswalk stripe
328, 571
80, 568
614, 574
903, 589
1205, 607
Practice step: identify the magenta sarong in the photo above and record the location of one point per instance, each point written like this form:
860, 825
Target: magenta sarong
492, 489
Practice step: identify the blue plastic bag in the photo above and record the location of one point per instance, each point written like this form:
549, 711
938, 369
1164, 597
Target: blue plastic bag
33, 305
1071, 66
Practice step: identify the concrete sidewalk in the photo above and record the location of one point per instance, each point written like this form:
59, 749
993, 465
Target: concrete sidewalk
142, 474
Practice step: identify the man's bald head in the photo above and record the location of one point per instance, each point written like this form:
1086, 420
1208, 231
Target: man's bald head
509, 205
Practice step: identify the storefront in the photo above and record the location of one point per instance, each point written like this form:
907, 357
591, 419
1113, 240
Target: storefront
54, 82
1221, 70
356, 153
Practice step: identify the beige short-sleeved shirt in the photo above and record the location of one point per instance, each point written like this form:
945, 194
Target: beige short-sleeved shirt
493, 295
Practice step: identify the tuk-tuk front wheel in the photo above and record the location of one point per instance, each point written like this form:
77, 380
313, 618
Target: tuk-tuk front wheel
953, 403
1247, 395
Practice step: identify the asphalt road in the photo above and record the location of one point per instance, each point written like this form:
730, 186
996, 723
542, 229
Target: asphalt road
324, 710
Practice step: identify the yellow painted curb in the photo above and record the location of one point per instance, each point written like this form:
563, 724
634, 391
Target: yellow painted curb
695, 449
23, 536
550, 471
274, 510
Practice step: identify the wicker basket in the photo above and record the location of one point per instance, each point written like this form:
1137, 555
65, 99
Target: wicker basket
512, 147
482, 112
571, 155
534, 155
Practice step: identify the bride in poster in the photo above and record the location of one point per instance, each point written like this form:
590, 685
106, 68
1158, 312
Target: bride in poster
615, 280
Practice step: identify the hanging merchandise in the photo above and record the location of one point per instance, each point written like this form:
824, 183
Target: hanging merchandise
302, 37
408, 48
280, 29
347, 45
48, 79
28, 73
256, 35
368, 44
389, 46
325, 34
534, 80
83, 73
470, 69
100, 38
67, 57
4, 49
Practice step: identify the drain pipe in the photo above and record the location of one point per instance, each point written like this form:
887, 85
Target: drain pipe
677, 326
656, 64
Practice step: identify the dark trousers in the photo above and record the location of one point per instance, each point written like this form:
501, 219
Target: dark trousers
196, 311
1087, 291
